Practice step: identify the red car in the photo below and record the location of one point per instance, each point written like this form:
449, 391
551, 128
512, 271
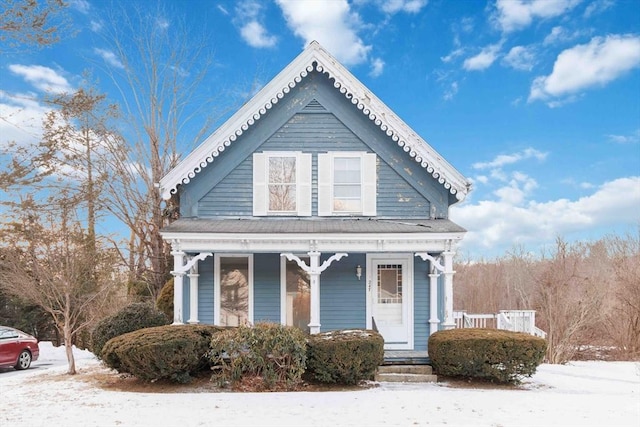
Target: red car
17, 349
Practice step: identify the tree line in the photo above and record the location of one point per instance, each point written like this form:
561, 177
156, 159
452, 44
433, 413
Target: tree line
586, 294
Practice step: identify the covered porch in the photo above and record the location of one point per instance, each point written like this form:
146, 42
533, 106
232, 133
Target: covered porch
315, 246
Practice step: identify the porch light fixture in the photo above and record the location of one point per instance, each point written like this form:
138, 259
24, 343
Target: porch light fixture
358, 271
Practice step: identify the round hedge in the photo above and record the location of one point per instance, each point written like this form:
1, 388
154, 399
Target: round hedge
492, 354
131, 318
345, 356
172, 352
165, 299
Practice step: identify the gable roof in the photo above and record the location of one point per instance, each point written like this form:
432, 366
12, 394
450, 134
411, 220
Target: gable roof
315, 57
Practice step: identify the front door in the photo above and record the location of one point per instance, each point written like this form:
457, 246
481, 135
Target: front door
390, 299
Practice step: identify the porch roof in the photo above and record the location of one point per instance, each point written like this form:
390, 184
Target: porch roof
311, 226
303, 235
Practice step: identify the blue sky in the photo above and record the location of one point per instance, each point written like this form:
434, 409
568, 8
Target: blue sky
536, 102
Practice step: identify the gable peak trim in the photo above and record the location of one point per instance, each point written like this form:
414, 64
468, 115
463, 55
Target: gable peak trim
316, 58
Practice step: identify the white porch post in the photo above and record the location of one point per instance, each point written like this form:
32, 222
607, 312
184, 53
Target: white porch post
314, 277
449, 321
433, 302
178, 274
314, 269
193, 294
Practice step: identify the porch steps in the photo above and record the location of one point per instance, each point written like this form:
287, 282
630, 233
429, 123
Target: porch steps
406, 374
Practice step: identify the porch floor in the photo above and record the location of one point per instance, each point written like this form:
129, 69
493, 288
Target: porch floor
406, 357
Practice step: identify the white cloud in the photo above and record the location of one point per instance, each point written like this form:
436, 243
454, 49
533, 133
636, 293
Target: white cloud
395, 6
21, 118
507, 159
559, 35
633, 138
43, 78
256, 35
82, 6
109, 57
511, 15
498, 224
453, 55
598, 62
484, 59
451, 91
377, 67
597, 7
248, 16
95, 26
332, 24
520, 58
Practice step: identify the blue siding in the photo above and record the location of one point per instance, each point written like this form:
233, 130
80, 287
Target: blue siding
186, 313
342, 295
314, 117
205, 291
420, 304
266, 288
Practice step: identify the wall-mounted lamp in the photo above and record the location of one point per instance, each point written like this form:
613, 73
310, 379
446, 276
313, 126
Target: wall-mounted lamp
358, 271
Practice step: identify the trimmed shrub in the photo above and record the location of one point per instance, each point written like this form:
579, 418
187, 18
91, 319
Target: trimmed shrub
344, 357
172, 352
273, 352
492, 354
164, 303
131, 318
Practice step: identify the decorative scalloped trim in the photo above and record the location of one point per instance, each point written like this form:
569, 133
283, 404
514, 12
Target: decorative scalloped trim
342, 87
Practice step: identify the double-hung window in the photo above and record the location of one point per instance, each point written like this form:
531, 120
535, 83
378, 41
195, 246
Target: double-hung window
347, 183
282, 183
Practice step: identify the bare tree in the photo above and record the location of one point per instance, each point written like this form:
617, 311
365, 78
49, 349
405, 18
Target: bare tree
567, 298
159, 68
623, 320
32, 23
46, 262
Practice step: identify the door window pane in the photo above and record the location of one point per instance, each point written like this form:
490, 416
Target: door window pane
389, 284
298, 297
234, 291
282, 184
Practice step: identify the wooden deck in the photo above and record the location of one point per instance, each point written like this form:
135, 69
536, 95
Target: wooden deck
406, 357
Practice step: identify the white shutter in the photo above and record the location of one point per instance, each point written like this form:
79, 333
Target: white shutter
325, 183
260, 184
304, 184
369, 184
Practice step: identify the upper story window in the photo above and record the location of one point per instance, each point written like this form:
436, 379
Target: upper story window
347, 183
282, 183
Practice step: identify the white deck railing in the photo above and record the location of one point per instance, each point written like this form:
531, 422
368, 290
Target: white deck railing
510, 320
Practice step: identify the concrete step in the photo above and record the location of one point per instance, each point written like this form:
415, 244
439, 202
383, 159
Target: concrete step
406, 374
406, 369
406, 378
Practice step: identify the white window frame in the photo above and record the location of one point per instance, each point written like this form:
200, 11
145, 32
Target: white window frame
368, 183
261, 183
216, 284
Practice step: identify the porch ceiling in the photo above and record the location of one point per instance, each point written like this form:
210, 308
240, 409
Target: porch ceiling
325, 235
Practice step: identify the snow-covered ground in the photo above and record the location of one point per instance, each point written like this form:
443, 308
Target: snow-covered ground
581, 394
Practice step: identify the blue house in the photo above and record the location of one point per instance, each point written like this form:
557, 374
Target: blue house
315, 206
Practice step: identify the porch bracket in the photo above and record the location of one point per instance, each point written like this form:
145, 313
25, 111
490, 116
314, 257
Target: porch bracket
434, 262
192, 261
314, 269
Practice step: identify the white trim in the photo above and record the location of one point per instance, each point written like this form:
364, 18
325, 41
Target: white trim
323, 242
315, 57
407, 294
216, 284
